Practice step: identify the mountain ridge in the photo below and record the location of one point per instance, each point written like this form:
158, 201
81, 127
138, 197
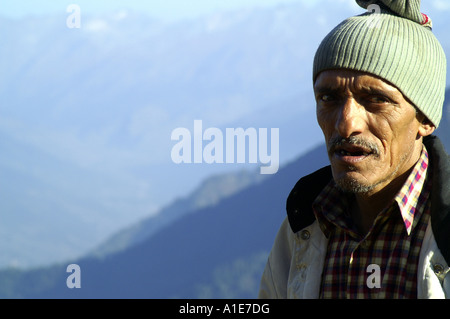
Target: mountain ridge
237, 227
208, 193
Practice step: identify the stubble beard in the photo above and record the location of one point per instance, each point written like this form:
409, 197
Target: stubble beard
351, 185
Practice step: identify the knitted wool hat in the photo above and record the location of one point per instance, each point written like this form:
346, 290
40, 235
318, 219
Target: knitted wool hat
392, 40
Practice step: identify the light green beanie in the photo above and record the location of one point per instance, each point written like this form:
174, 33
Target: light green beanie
392, 40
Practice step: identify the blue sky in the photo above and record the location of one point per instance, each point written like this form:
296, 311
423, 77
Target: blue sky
162, 9
169, 10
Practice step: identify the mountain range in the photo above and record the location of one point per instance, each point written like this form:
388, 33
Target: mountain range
217, 251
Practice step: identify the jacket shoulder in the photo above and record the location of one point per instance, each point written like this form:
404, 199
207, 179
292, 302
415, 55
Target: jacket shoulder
440, 193
299, 202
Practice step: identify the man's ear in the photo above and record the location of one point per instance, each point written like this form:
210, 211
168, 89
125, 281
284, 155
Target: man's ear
426, 127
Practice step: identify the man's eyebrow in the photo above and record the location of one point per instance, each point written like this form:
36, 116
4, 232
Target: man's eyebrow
373, 90
389, 93
327, 89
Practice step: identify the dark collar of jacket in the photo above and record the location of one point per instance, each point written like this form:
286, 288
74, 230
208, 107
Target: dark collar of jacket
299, 202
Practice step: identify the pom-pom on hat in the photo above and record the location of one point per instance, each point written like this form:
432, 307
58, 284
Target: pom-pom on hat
394, 41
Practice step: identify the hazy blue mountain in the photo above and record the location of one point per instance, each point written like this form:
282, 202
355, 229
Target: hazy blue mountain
209, 193
217, 251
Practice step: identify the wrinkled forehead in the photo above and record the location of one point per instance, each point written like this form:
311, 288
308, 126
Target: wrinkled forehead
339, 79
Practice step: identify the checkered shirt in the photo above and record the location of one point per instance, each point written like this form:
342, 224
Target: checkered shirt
383, 263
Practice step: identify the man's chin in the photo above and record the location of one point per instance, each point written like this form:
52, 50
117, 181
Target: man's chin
353, 186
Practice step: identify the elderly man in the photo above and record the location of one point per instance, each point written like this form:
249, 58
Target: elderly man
376, 222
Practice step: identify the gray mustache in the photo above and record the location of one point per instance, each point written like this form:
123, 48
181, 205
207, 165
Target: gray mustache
352, 140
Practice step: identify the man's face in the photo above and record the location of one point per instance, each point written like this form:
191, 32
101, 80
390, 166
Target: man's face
371, 130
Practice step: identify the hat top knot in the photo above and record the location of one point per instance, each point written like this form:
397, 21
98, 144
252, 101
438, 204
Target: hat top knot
409, 9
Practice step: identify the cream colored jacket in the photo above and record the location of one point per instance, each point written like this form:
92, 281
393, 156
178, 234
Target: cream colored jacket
295, 265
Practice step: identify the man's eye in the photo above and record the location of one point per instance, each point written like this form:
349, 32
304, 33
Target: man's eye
377, 99
326, 98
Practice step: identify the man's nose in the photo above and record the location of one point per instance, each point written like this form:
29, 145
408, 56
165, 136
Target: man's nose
351, 118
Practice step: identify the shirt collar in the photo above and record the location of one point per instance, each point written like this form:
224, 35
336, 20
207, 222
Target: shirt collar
409, 197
